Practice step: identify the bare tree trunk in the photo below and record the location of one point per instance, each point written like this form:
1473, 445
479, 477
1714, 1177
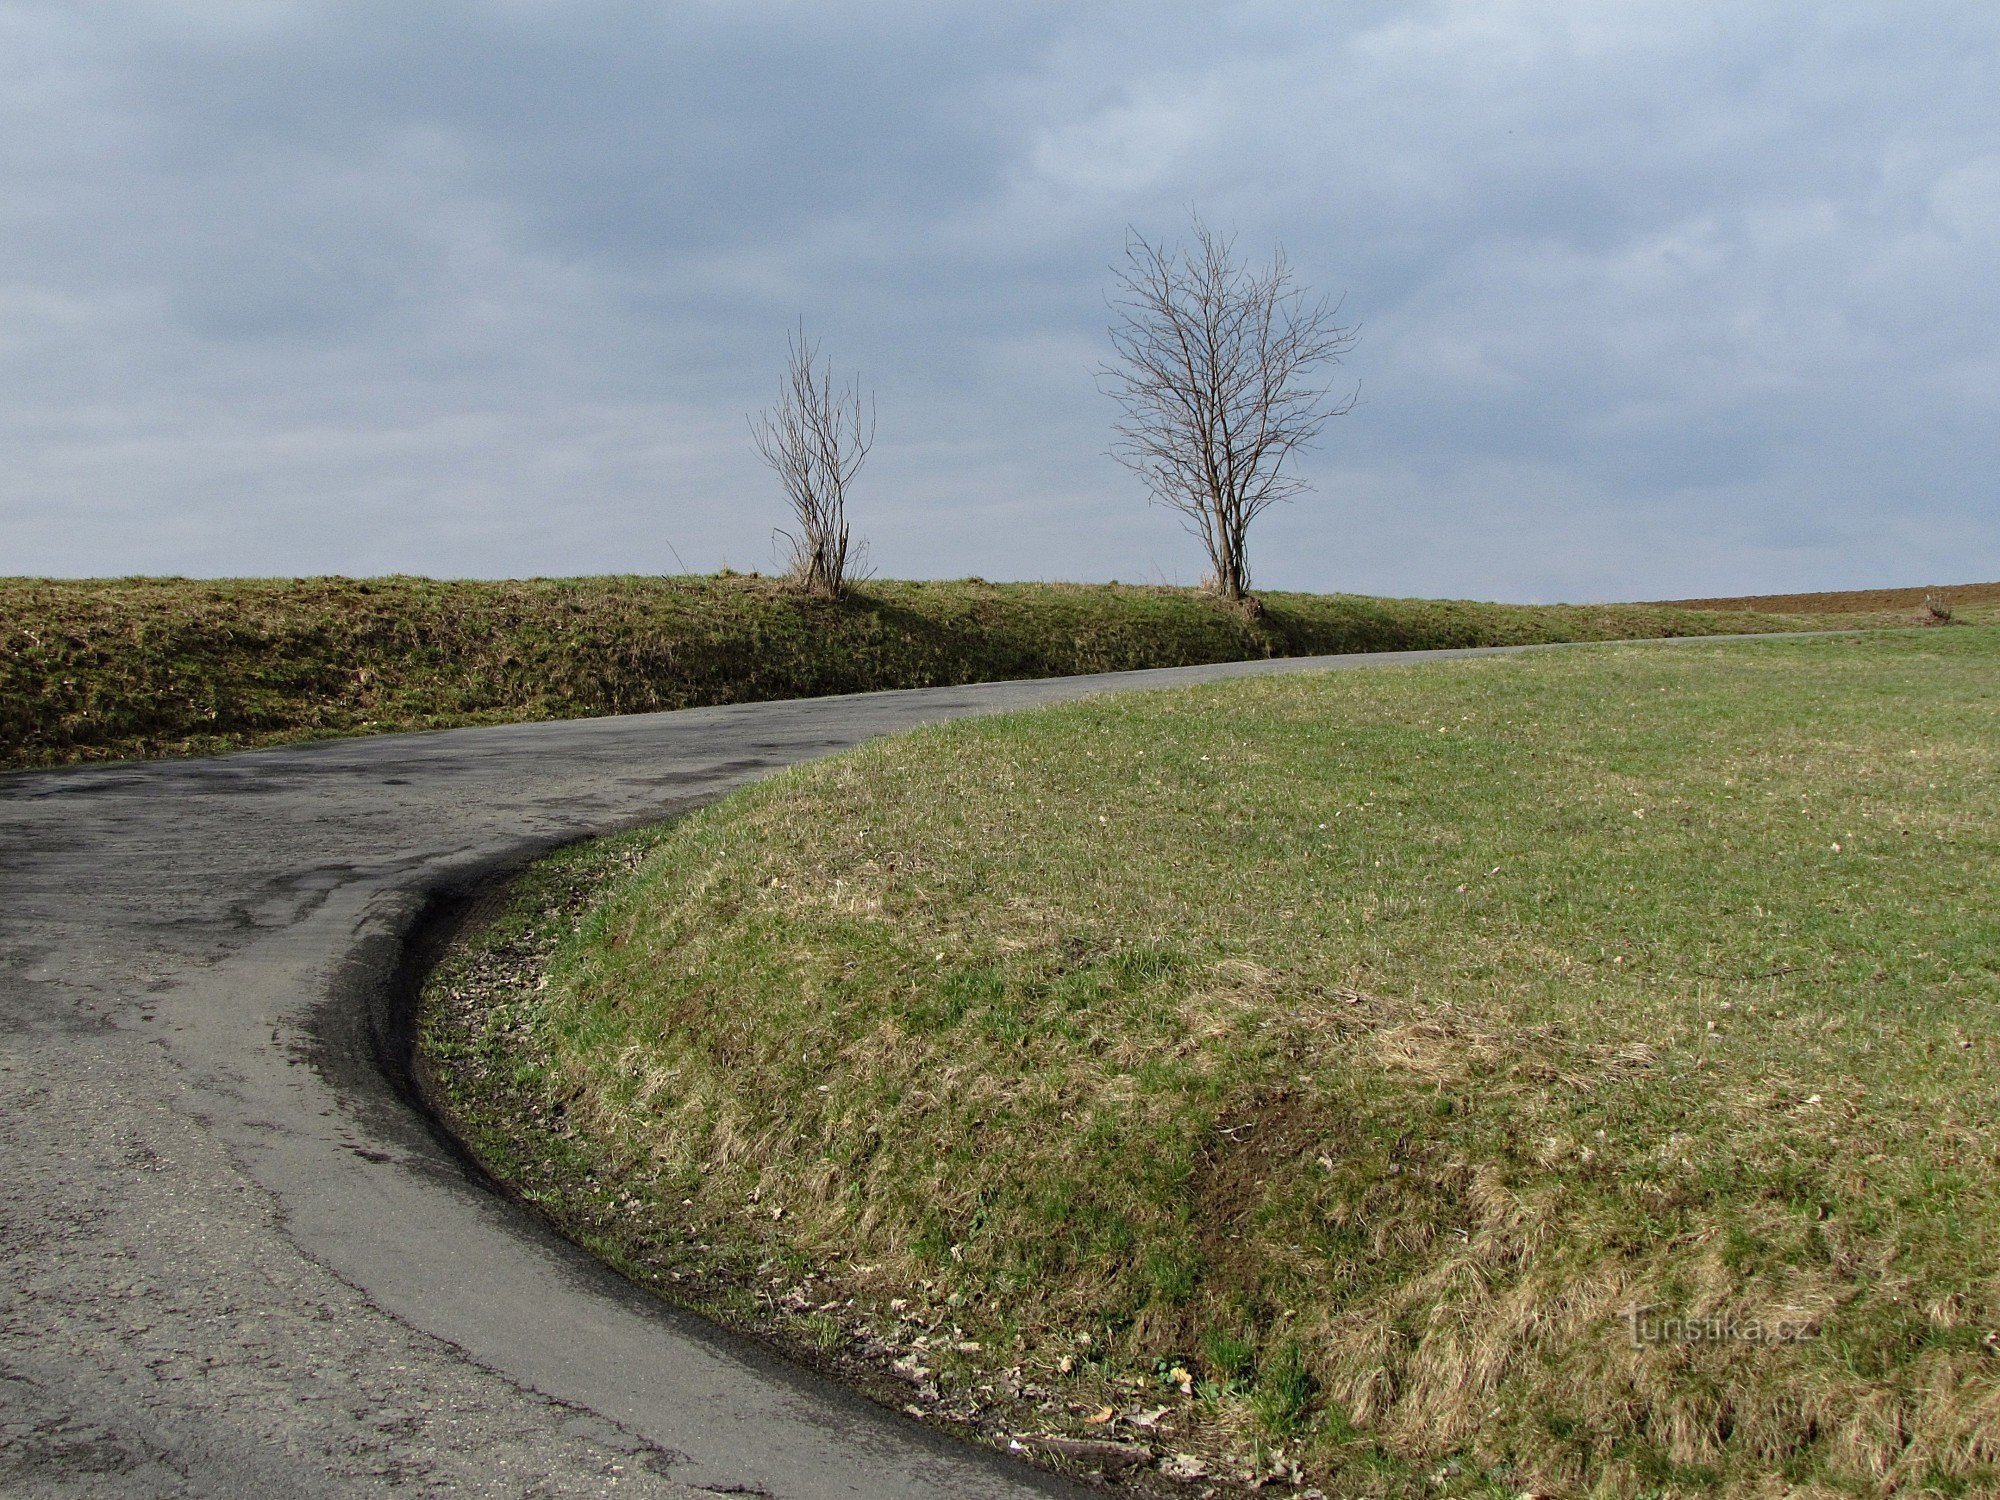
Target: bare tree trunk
816, 439
1216, 383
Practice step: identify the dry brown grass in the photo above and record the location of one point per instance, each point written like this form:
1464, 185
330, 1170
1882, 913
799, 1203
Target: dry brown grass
100, 669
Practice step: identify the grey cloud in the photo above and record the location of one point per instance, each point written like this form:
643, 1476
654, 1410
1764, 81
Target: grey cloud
1654, 301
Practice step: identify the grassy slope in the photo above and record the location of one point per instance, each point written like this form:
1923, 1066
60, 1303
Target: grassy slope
1350, 1051
98, 670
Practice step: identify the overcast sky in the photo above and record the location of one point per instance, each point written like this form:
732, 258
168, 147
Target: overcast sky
1656, 299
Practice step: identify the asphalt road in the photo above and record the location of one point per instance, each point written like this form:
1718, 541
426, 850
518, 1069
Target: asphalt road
233, 1263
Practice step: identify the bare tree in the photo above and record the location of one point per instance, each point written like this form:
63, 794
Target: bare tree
816, 439
1217, 380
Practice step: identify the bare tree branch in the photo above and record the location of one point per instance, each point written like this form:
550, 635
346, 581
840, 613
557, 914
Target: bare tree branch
815, 439
1217, 384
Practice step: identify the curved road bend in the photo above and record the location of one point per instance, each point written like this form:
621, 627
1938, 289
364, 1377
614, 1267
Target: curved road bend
233, 1263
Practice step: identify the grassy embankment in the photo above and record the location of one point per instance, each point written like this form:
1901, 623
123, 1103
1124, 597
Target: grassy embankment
1319, 1070
132, 668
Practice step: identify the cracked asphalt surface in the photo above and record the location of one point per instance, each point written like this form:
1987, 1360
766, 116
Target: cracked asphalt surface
234, 1263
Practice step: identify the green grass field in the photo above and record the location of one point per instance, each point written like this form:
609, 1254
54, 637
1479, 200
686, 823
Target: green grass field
1570, 1074
137, 668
